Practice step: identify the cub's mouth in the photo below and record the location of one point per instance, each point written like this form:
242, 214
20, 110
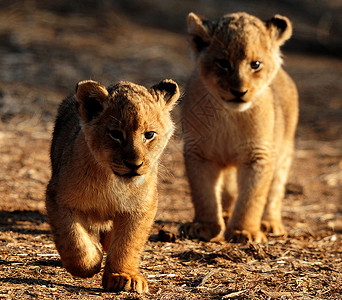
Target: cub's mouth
238, 104
130, 175
237, 100
127, 175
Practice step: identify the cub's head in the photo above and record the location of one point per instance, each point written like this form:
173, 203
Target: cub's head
238, 55
126, 126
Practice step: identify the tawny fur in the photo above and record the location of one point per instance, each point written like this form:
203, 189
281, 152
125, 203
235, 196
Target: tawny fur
240, 114
102, 195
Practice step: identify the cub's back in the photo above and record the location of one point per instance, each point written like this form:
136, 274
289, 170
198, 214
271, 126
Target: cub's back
285, 97
67, 127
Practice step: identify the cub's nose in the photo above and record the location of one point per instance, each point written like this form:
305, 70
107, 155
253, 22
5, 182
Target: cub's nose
238, 94
133, 165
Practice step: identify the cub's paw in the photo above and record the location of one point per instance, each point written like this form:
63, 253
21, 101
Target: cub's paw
203, 231
243, 236
117, 282
274, 227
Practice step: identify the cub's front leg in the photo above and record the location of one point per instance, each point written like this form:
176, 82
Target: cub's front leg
78, 246
128, 238
205, 182
271, 220
254, 179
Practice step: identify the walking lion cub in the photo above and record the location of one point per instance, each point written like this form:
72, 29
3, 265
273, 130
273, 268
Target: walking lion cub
102, 195
239, 117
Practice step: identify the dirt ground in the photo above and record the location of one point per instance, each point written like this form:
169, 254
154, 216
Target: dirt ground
46, 47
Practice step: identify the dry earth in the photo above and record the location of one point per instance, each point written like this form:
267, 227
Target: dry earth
46, 47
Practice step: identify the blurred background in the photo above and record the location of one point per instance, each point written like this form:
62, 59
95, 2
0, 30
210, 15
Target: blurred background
48, 46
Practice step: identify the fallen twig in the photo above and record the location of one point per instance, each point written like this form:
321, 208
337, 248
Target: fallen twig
233, 295
160, 275
206, 277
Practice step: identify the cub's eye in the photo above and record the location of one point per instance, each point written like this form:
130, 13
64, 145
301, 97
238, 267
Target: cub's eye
255, 65
116, 135
224, 64
149, 135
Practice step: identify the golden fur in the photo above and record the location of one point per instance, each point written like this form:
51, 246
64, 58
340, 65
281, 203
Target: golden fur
102, 195
239, 117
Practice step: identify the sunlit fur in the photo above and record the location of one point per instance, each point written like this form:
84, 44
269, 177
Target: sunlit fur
97, 199
239, 122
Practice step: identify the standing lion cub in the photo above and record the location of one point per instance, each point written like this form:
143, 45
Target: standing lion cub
103, 192
239, 117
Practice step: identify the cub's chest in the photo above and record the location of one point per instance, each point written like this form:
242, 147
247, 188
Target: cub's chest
106, 197
228, 135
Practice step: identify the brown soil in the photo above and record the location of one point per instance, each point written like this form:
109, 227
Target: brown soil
48, 46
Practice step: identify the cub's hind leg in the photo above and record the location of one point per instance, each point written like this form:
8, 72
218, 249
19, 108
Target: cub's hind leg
77, 245
271, 220
205, 178
229, 192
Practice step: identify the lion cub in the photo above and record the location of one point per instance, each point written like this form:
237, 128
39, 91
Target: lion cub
102, 195
239, 117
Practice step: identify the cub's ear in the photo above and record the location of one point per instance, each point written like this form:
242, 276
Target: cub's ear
200, 31
280, 29
91, 96
165, 92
